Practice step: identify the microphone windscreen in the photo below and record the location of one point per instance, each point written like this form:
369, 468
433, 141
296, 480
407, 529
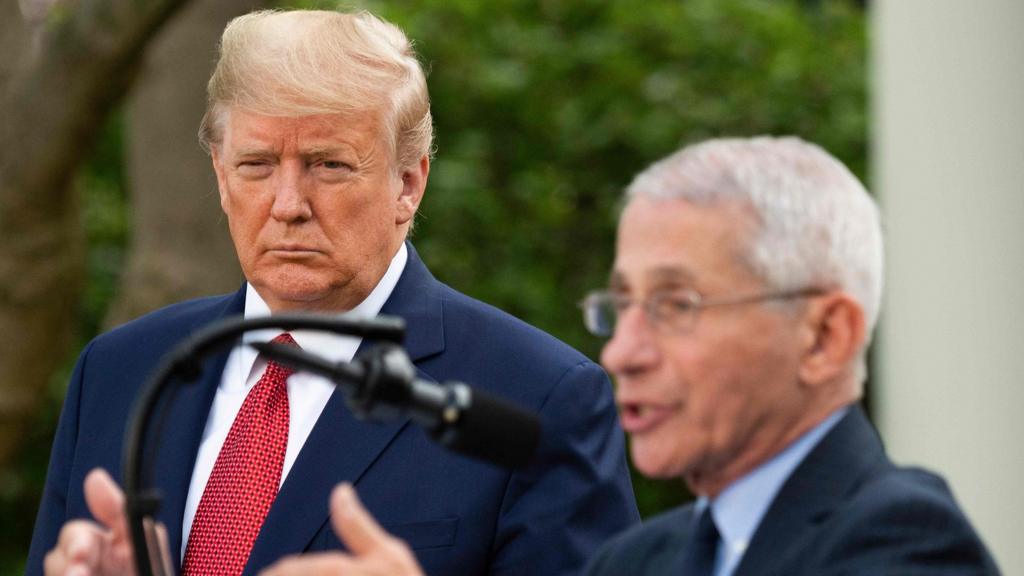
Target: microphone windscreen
496, 430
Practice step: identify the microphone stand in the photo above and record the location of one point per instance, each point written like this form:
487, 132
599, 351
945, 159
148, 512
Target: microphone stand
185, 362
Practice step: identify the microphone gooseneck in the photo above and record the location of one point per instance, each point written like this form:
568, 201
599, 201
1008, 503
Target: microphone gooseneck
382, 385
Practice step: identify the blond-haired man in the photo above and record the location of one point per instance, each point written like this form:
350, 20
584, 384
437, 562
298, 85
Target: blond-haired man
320, 132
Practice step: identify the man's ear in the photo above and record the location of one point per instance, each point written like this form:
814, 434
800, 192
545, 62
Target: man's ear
834, 333
414, 183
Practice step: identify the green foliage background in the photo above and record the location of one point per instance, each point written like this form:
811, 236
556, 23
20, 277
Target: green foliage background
544, 110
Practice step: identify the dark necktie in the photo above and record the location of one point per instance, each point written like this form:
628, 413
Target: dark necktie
244, 480
699, 556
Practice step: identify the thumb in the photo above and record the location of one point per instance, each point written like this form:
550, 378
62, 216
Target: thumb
105, 501
356, 527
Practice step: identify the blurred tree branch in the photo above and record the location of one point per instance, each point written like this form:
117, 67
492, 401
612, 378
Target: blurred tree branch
175, 198
59, 79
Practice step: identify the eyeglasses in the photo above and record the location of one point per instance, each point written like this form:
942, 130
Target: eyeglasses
673, 311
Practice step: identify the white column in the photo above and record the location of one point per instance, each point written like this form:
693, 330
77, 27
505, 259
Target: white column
948, 157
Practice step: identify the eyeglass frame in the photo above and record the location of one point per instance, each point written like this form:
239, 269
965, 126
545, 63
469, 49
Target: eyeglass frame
696, 303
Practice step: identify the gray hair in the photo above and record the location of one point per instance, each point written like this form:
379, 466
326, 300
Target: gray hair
816, 224
306, 62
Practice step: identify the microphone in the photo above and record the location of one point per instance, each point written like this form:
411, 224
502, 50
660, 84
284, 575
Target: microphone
382, 385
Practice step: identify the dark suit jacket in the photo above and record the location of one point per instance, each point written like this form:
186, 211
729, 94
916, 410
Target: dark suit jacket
845, 510
460, 516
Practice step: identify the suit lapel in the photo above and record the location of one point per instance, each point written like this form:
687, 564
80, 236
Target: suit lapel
817, 486
418, 299
187, 407
683, 531
341, 447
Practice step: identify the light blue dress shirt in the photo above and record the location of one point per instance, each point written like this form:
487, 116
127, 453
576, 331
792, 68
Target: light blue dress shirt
738, 510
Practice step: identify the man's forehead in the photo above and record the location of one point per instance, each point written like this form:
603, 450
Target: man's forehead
623, 275
319, 131
253, 119
675, 240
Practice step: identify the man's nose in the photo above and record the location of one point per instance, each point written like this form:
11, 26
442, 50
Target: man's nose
632, 346
291, 198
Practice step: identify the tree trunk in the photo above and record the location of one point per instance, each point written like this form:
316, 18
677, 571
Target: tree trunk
57, 84
180, 246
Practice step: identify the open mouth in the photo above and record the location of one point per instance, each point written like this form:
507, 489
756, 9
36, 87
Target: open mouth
638, 418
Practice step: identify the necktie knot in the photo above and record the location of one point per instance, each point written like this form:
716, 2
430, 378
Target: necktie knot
280, 372
700, 553
706, 531
285, 338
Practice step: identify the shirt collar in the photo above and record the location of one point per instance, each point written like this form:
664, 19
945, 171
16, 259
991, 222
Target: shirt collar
331, 346
740, 508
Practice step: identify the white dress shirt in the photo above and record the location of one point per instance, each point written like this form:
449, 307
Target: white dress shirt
307, 393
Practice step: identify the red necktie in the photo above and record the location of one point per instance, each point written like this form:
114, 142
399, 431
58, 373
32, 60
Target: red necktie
244, 480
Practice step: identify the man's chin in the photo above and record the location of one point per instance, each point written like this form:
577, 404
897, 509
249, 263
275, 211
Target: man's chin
297, 297
652, 463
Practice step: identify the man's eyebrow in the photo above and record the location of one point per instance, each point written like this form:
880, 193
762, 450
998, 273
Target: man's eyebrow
321, 151
253, 151
616, 281
672, 274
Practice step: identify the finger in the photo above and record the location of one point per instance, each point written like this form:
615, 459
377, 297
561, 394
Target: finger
55, 562
105, 500
356, 527
79, 571
330, 563
80, 543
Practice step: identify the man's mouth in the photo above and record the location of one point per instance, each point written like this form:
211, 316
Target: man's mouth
639, 417
292, 251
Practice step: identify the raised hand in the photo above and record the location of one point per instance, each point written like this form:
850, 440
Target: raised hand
373, 552
102, 548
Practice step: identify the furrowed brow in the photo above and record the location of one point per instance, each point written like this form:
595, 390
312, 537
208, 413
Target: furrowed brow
253, 152
320, 151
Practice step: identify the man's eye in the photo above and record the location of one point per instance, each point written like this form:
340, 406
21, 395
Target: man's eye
333, 165
254, 168
620, 303
675, 304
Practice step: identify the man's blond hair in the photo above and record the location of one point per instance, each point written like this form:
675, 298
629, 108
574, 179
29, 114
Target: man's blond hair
306, 62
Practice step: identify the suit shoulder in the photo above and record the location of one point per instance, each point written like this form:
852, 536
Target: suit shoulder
906, 491
909, 518
168, 324
469, 319
493, 350
648, 548
670, 524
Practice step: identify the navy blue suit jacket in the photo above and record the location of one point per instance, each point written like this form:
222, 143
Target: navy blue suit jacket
845, 510
460, 516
